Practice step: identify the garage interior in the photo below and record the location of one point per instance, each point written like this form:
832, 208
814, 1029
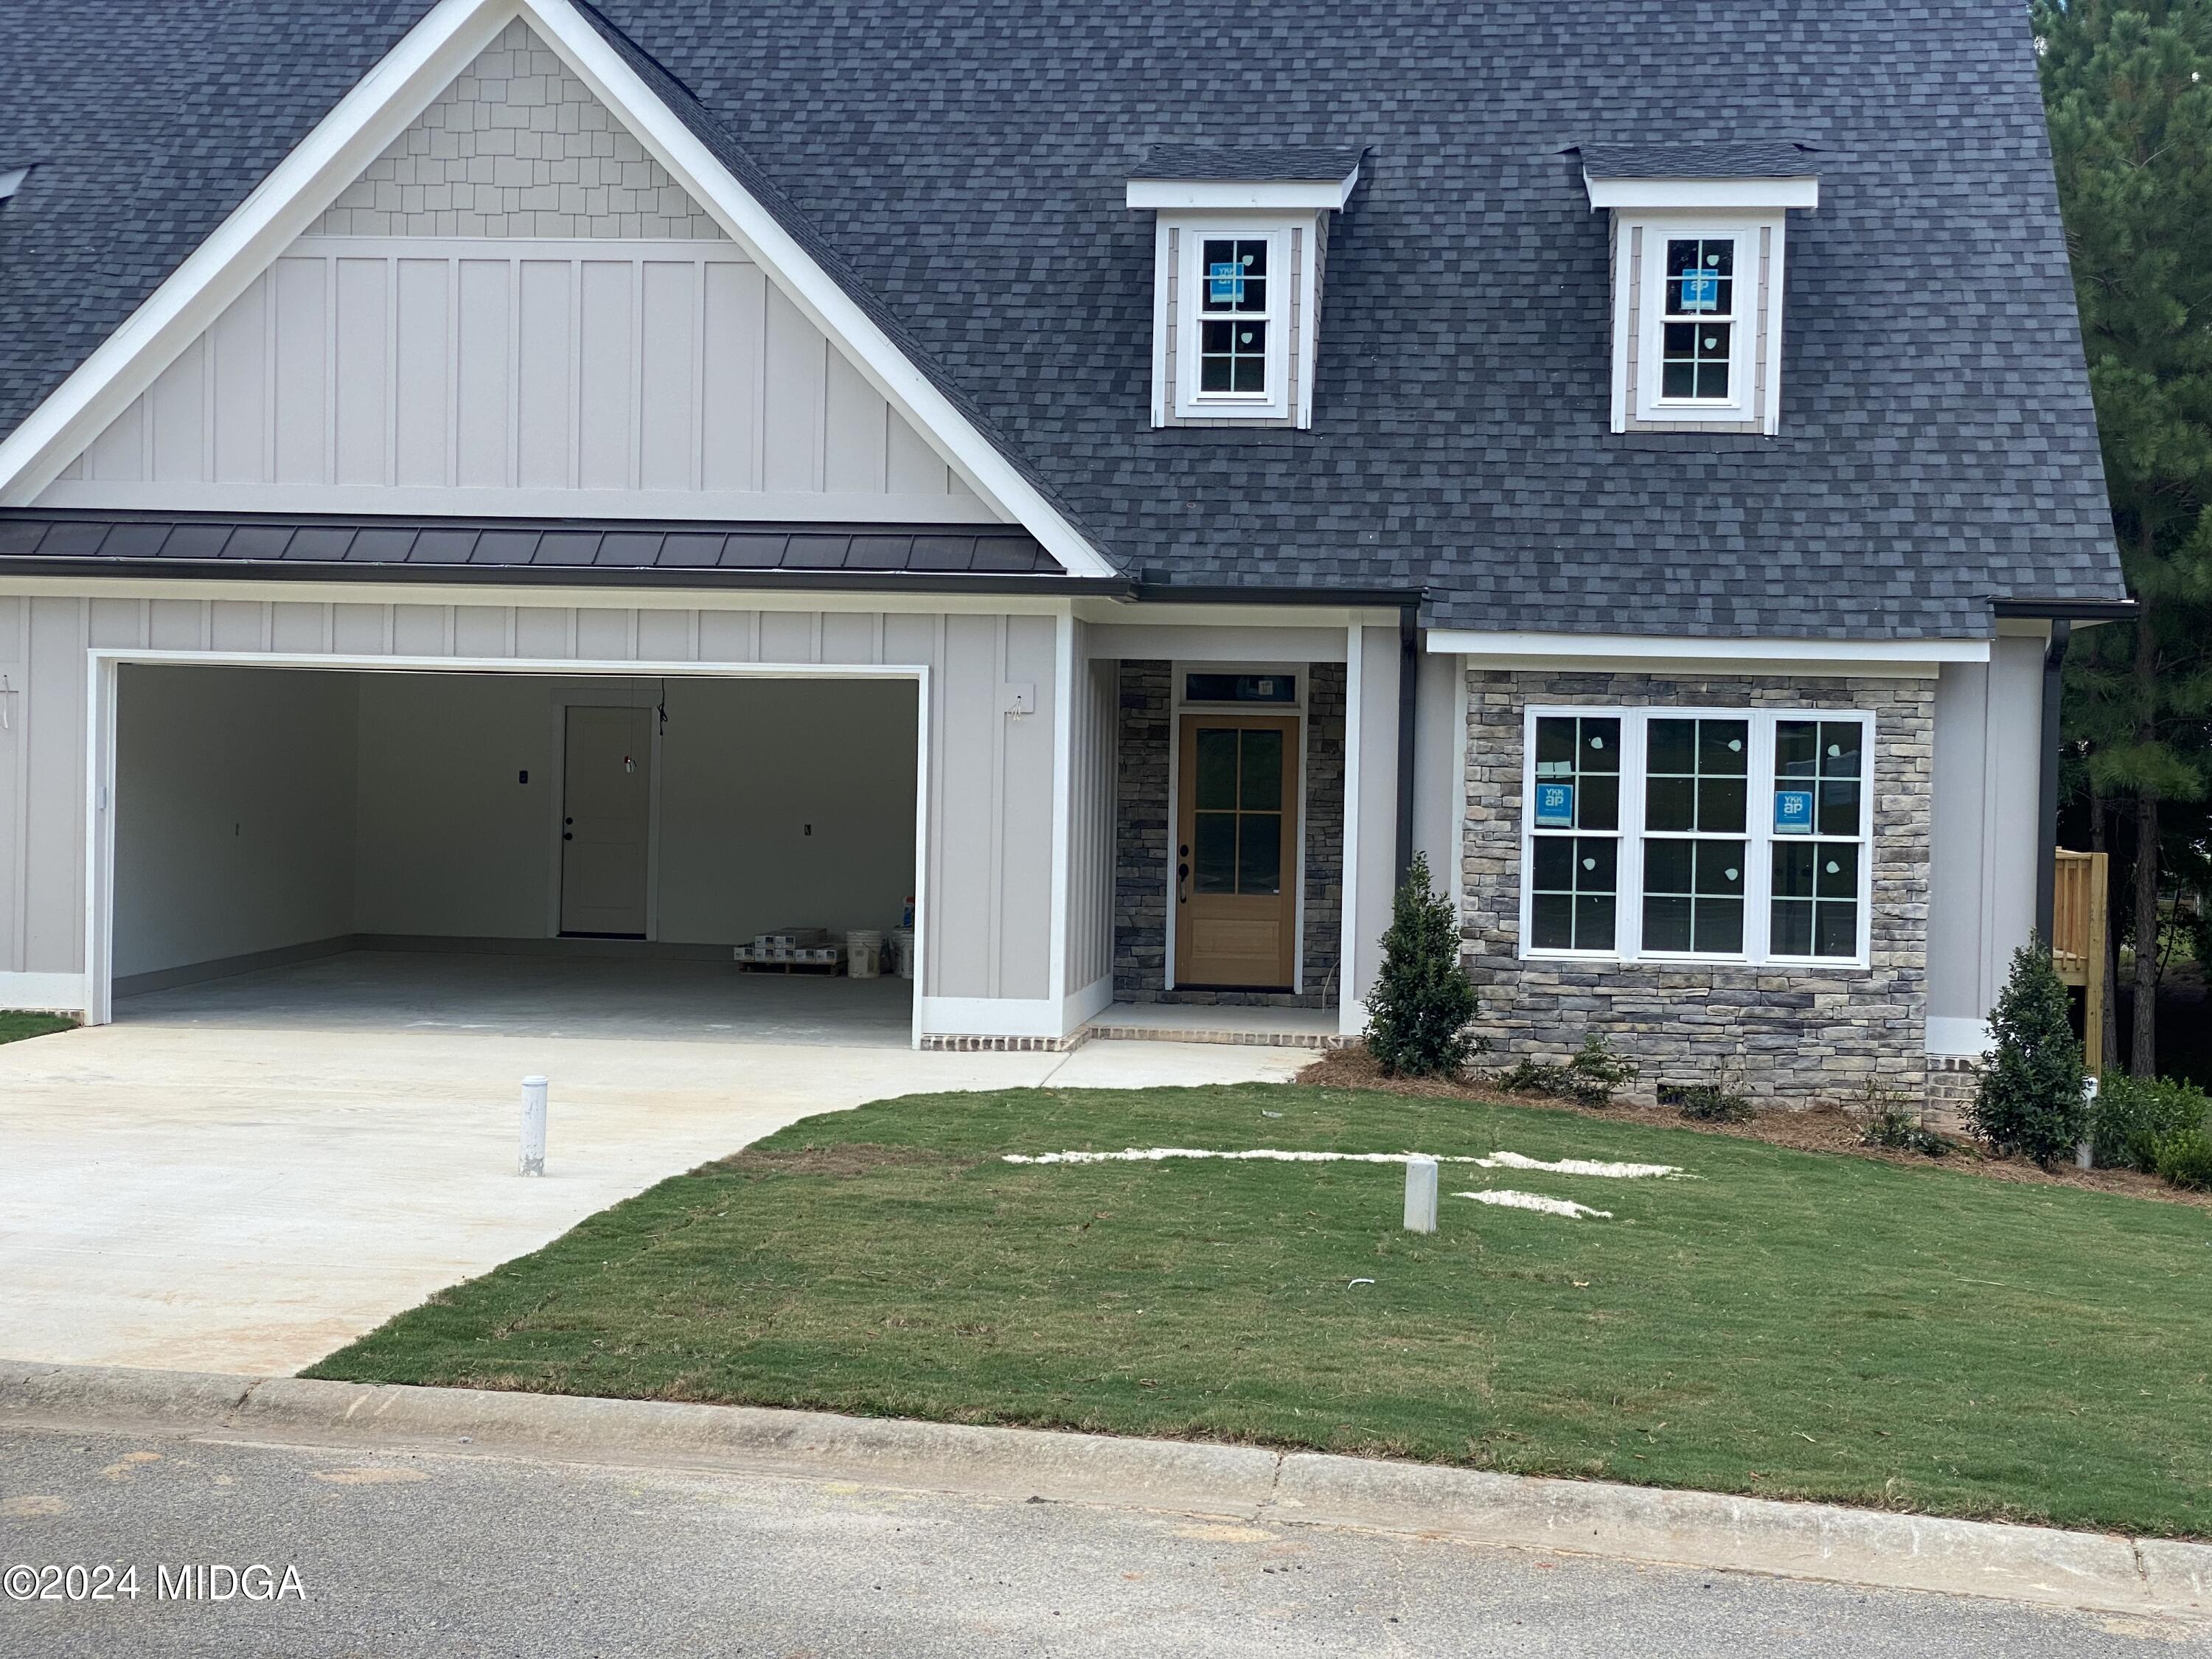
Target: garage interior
517, 852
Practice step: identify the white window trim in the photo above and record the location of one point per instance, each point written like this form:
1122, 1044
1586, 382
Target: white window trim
1275, 405
1175, 382
1755, 323
1759, 836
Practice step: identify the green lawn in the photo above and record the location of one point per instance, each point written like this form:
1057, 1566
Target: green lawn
1787, 1323
16, 1024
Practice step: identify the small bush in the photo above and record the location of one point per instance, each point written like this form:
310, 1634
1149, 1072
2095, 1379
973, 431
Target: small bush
1422, 1009
2185, 1159
1900, 1131
2030, 1100
2131, 1118
1708, 1102
1590, 1077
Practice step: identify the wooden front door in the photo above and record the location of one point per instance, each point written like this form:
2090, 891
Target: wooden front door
1236, 852
606, 821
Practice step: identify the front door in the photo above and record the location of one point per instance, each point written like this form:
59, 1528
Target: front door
1236, 852
606, 821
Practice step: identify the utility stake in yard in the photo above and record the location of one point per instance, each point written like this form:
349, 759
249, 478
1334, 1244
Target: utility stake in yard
533, 1125
1420, 1194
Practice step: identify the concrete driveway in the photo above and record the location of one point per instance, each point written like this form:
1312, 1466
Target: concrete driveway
243, 1176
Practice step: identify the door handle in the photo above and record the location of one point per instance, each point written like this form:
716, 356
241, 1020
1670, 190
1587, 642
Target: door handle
1183, 874
568, 834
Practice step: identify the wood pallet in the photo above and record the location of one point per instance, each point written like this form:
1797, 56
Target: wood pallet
825, 969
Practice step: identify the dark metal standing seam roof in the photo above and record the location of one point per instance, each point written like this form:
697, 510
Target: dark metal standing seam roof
962, 167
420, 546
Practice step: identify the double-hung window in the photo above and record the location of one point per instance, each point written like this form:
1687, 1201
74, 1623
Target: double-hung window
1732, 834
1234, 322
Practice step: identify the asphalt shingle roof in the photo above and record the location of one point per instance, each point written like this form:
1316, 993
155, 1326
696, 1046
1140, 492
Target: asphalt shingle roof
1716, 161
1243, 161
963, 166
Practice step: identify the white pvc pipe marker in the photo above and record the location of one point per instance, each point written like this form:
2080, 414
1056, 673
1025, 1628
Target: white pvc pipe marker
1420, 1194
533, 1126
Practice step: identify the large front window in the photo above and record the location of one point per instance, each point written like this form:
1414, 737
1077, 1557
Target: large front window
1734, 834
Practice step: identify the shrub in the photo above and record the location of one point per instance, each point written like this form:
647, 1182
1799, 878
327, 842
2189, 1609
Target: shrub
2030, 1100
2132, 1117
1708, 1102
1900, 1131
1420, 1013
2185, 1159
1590, 1077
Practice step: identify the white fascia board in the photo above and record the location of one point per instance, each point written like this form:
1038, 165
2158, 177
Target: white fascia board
1697, 194
1315, 195
1639, 648
378, 109
824, 303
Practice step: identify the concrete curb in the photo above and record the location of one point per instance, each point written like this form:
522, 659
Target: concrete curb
2104, 1571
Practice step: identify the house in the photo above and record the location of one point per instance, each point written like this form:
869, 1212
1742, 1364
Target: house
506, 473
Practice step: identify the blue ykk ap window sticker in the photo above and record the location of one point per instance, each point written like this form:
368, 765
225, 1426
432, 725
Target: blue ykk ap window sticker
1555, 806
1701, 289
1793, 811
1224, 283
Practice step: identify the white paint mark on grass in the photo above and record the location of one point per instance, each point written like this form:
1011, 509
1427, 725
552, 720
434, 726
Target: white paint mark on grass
1580, 1166
1273, 1155
1507, 1198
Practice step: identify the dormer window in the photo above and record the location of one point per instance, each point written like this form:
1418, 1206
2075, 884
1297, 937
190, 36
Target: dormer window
1240, 247
1698, 279
1233, 342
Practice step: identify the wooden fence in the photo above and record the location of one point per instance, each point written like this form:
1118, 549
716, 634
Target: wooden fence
2077, 943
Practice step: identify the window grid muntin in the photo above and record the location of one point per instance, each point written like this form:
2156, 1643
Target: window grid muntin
1758, 853
1711, 755
1699, 278
1583, 751
1223, 313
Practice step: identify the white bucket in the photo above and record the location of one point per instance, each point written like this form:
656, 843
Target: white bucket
903, 950
864, 953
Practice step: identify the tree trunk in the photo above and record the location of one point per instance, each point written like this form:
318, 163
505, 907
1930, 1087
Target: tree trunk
2142, 1054
2101, 841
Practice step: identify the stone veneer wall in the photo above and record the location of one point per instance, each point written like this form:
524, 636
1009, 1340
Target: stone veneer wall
517, 147
1143, 874
1800, 1036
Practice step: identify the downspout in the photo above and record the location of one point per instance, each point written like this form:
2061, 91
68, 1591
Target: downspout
2046, 817
1409, 663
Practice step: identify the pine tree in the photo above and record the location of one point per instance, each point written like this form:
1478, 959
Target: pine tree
2030, 1100
2128, 88
1421, 1013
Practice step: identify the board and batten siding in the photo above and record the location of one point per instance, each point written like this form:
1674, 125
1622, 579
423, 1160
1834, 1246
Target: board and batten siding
1092, 751
989, 859
582, 377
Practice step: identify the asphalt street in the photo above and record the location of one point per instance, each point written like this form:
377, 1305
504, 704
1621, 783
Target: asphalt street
400, 1554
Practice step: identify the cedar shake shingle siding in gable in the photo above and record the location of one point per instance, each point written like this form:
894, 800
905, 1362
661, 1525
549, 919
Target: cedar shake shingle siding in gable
965, 166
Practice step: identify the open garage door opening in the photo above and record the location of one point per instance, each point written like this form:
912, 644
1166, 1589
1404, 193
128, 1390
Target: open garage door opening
539, 853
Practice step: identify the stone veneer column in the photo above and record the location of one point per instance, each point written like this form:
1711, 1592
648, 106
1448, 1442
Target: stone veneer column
1800, 1036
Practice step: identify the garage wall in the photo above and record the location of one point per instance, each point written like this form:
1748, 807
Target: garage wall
234, 814
781, 801
990, 854
452, 842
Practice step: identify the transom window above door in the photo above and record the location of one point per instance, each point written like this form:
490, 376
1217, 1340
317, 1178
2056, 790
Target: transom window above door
1733, 835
